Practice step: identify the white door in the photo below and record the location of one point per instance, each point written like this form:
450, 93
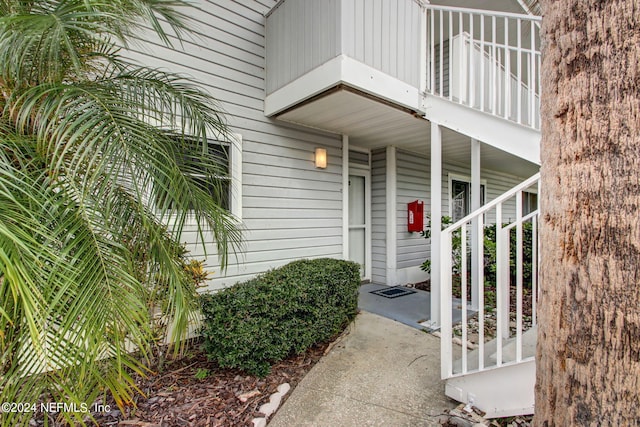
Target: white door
359, 219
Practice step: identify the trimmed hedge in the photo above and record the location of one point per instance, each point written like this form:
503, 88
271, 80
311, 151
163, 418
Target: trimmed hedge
279, 313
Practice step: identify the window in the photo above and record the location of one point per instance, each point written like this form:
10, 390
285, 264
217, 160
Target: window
220, 188
461, 198
529, 202
226, 186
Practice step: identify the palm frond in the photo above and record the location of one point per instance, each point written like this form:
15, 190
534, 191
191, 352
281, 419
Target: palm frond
66, 287
52, 41
97, 158
90, 131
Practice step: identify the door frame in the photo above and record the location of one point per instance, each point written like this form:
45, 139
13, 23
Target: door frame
363, 171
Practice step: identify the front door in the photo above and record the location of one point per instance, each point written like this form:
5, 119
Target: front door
359, 219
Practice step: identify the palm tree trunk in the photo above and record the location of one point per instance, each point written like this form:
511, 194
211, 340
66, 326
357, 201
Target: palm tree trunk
588, 355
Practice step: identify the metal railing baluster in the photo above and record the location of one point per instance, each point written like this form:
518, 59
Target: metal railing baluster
503, 260
485, 79
463, 294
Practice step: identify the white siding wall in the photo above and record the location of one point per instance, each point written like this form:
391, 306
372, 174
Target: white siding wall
290, 209
413, 183
384, 34
378, 216
303, 34
496, 184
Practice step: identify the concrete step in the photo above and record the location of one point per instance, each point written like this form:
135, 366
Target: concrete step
529, 340
500, 392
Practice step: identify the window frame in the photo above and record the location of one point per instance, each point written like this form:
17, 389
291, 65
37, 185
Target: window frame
526, 207
466, 179
233, 146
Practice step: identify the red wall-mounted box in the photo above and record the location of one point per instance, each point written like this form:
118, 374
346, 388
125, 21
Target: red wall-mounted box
415, 216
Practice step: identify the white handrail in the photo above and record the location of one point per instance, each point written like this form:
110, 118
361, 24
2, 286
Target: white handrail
498, 200
495, 13
497, 72
507, 347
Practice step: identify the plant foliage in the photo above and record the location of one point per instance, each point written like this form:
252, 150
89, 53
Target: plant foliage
489, 253
455, 244
282, 312
85, 136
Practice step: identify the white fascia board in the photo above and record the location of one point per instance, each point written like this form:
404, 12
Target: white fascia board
343, 70
367, 79
503, 134
309, 84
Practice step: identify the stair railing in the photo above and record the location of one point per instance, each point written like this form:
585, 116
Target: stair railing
485, 60
508, 292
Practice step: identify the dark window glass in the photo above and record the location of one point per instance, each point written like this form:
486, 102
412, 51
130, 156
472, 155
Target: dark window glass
218, 158
461, 199
529, 202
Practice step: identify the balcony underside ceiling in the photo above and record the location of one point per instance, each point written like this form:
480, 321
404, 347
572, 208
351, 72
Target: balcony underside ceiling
372, 124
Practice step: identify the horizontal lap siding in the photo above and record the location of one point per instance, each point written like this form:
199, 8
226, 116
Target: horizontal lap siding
496, 184
291, 210
413, 183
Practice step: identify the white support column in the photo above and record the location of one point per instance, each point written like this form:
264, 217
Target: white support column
345, 196
436, 223
423, 51
475, 230
392, 216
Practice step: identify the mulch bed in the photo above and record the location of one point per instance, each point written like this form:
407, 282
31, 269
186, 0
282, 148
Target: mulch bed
192, 391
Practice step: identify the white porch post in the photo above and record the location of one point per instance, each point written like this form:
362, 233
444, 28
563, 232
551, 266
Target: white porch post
345, 196
475, 231
392, 217
436, 222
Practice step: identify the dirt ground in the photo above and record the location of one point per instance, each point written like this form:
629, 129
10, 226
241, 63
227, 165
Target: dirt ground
194, 392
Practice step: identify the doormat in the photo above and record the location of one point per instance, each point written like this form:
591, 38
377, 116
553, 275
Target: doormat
394, 292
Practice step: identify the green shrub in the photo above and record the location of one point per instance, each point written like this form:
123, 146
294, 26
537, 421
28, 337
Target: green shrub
489, 252
527, 254
456, 243
282, 312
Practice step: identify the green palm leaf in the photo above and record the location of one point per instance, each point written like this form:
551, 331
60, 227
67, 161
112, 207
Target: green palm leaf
96, 164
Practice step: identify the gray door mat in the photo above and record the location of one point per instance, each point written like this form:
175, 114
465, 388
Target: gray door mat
393, 292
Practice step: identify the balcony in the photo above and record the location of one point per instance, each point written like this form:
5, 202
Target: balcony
489, 61
368, 46
374, 70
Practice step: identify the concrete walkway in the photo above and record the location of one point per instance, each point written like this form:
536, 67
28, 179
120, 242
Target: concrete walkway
382, 373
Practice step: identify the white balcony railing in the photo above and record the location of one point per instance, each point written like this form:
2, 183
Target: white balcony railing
506, 283
489, 61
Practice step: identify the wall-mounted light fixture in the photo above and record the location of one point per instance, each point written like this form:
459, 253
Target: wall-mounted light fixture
321, 158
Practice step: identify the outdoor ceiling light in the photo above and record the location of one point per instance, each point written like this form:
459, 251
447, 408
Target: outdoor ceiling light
321, 158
